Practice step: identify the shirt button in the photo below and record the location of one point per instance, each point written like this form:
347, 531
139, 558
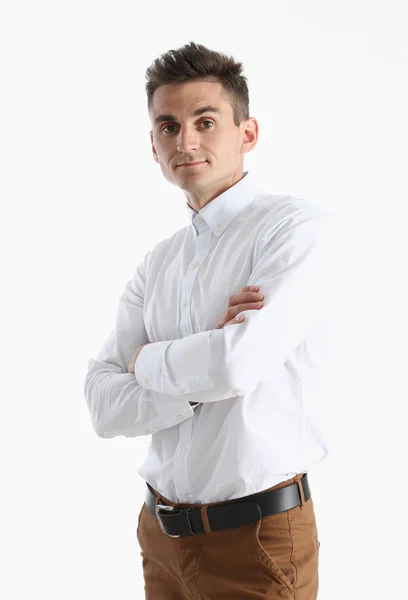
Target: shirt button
186, 500
196, 265
178, 388
185, 302
218, 227
199, 221
147, 382
146, 430
182, 449
180, 417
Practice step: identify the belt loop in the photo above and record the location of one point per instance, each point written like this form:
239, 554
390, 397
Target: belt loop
301, 492
204, 517
158, 498
155, 492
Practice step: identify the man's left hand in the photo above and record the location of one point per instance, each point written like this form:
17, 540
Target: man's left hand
131, 366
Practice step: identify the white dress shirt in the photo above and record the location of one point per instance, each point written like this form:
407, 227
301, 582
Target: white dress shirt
262, 385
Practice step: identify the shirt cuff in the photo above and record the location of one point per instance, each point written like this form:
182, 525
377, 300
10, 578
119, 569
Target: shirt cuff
148, 365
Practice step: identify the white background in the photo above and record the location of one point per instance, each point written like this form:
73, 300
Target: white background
82, 201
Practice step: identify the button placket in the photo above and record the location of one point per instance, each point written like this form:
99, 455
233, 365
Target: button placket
181, 482
202, 244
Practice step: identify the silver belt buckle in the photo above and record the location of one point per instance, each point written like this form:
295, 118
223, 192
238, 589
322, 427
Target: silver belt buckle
164, 507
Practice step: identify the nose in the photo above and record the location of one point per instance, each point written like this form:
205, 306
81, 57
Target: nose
187, 140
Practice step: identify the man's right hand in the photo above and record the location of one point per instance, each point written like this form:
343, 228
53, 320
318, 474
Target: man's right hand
247, 299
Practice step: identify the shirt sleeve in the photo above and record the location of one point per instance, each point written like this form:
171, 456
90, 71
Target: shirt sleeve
297, 270
117, 403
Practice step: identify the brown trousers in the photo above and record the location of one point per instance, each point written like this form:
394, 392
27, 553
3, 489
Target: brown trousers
276, 557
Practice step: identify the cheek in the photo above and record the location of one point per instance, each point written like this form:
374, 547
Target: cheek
163, 153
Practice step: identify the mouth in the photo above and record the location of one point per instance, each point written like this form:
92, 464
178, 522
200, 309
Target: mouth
194, 164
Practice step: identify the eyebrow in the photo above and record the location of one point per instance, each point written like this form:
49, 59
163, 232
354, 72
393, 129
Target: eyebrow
196, 113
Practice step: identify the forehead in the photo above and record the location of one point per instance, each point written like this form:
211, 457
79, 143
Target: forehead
183, 98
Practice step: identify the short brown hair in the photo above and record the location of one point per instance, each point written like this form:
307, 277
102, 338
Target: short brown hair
194, 61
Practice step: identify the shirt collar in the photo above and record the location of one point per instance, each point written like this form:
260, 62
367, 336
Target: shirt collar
219, 213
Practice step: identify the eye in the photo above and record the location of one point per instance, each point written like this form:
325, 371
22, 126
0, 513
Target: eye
173, 125
163, 128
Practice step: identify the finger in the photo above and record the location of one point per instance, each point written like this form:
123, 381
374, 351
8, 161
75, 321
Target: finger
234, 310
235, 322
243, 297
237, 319
232, 313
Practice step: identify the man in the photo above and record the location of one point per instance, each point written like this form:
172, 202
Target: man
238, 414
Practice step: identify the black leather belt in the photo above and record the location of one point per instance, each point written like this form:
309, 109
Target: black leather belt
179, 522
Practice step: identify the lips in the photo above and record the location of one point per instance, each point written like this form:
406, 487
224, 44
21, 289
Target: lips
200, 162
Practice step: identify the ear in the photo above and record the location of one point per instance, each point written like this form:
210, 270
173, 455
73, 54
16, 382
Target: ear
250, 135
153, 148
